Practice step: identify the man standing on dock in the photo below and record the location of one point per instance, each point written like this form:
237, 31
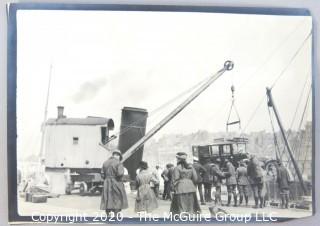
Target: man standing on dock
207, 180
114, 197
231, 183
256, 179
200, 170
218, 175
243, 183
283, 181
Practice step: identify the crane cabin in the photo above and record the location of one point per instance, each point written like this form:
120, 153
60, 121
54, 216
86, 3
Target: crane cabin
73, 150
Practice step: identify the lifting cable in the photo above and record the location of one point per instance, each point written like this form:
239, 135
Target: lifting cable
233, 106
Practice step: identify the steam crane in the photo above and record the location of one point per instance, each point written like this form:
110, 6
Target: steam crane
228, 65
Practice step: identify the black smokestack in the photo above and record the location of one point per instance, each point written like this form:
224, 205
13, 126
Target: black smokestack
133, 128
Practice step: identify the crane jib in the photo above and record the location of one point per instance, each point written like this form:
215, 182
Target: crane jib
228, 65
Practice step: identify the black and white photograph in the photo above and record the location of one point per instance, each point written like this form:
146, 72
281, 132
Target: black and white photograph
164, 115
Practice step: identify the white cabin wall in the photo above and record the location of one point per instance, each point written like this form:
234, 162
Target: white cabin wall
59, 147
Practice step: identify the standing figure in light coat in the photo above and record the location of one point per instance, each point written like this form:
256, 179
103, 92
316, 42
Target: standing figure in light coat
146, 200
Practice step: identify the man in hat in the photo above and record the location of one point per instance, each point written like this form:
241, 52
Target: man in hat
218, 175
283, 180
167, 182
243, 182
231, 182
255, 175
114, 197
200, 170
207, 180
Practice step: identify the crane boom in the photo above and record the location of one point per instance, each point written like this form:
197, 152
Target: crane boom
228, 65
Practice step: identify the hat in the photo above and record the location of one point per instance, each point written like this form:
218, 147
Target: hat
143, 165
169, 165
181, 155
117, 152
195, 158
218, 160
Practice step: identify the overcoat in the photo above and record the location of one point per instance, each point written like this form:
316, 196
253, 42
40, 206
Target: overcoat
231, 179
146, 199
218, 175
200, 170
184, 179
254, 171
283, 177
185, 197
242, 176
113, 195
207, 176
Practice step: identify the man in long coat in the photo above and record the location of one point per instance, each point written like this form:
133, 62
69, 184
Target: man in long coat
166, 184
207, 180
283, 181
200, 170
218, 175
243, 182
255, 175
114, 197
231, 183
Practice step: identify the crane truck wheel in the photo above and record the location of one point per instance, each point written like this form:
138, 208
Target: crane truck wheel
83, 188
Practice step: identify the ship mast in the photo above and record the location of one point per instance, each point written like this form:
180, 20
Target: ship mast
45, 117
295, 164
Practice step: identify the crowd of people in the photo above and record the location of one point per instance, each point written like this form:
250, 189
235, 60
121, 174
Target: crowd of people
184, 180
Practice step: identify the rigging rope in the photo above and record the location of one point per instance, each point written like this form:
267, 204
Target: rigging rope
292, 59
296, 110
153, 112
273, 52
277, 79
298, 150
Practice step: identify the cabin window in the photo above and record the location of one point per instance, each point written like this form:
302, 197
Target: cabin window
214, 150
75, 140
104, 135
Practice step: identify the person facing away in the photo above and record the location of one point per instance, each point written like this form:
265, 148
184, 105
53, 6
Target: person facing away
200, 170
155, 184
243, 183
166, 182
207, 180
283, 180
184, 179
114, 197
146, 200
255, 176
218, 175
231, 183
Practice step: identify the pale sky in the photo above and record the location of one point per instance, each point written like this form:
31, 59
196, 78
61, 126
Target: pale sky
104, 60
